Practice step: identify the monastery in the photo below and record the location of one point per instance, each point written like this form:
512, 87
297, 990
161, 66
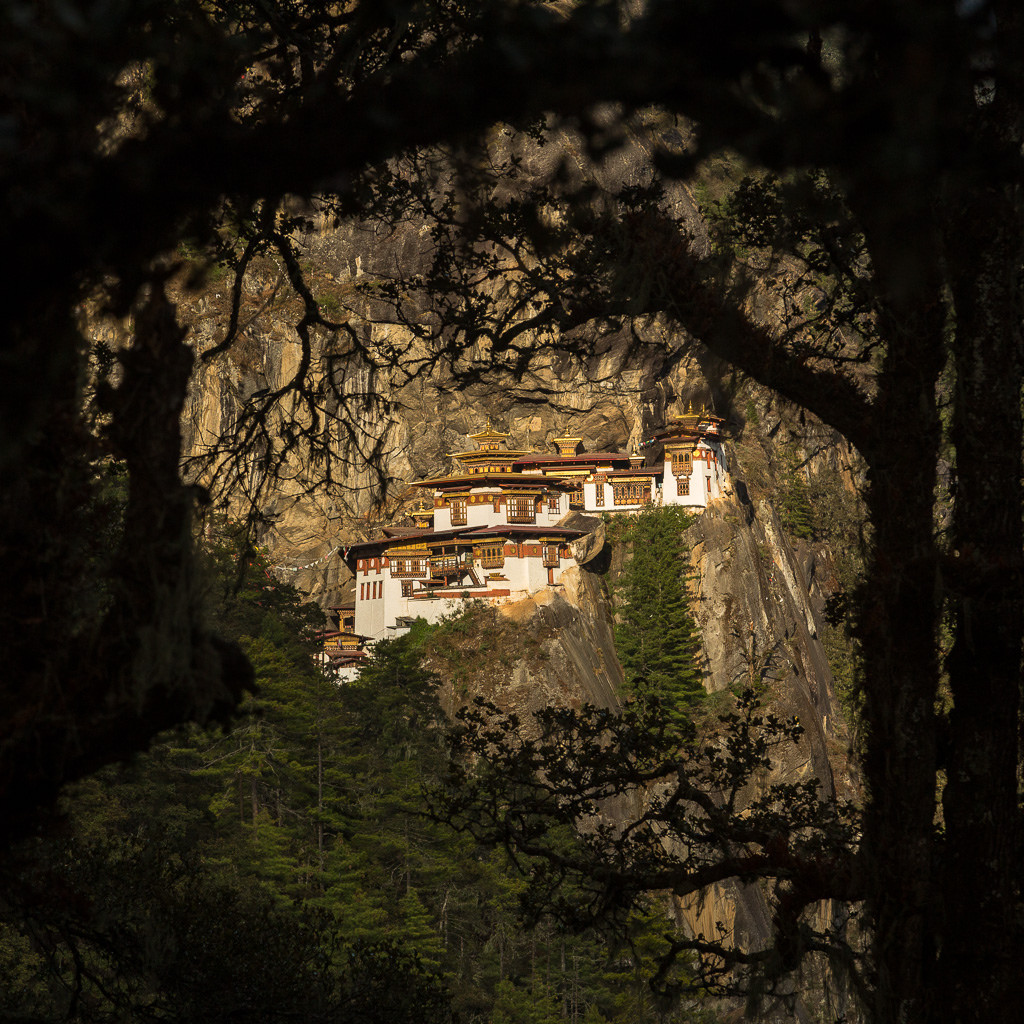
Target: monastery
491, 529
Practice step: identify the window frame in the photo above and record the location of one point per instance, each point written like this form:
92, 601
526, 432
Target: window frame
492, 556
520, 509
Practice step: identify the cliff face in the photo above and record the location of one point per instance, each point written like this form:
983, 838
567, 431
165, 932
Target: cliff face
759, 603
758, 595
758, 599
382, 404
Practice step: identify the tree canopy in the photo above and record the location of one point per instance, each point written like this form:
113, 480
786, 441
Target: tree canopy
284, 868
892, 242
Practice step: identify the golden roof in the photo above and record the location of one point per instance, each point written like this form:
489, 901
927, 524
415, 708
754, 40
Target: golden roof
490, 446
488, 434
567, 445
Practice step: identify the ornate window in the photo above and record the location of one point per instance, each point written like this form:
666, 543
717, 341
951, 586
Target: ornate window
682, 485
458, 511
600, 493
554, 505
521, 510
407, 588
405, 567
550, 553
576, 498
631, 493
492, 556
446, 563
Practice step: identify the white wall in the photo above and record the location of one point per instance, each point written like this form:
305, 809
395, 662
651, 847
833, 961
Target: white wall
371, 612
377, 617
590, 503
703, 468
481, 513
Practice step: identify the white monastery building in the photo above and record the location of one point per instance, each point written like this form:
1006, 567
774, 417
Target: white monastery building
692, 474
490, 530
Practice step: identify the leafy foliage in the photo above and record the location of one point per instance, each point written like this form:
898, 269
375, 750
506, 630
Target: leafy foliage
285, 865
603, 811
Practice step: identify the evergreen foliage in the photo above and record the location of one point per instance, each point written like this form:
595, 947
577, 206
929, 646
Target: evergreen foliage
284, 868
794, 499
656, 636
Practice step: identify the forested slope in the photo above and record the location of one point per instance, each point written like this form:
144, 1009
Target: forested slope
285, 869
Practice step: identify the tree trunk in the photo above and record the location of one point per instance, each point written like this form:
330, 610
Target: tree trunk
898, 627
979, 954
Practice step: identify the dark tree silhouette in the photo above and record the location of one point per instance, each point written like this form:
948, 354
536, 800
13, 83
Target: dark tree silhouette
601, 809
148, 123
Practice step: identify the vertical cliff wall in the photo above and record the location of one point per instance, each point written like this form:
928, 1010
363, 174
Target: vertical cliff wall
388, 414
758, 598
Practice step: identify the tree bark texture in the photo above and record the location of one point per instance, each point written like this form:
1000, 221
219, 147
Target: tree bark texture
986, 607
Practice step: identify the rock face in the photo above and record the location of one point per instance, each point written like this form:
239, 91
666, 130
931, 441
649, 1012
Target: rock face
758, 601
758, 597
382, 406
759, 605
614, 402
554, 647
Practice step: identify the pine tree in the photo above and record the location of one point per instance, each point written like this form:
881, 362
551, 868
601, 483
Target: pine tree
656, 637
794, 501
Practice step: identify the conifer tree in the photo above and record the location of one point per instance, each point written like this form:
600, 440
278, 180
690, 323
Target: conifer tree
794, 501
655, 634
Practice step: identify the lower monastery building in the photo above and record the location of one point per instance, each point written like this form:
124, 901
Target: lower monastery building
490, 531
